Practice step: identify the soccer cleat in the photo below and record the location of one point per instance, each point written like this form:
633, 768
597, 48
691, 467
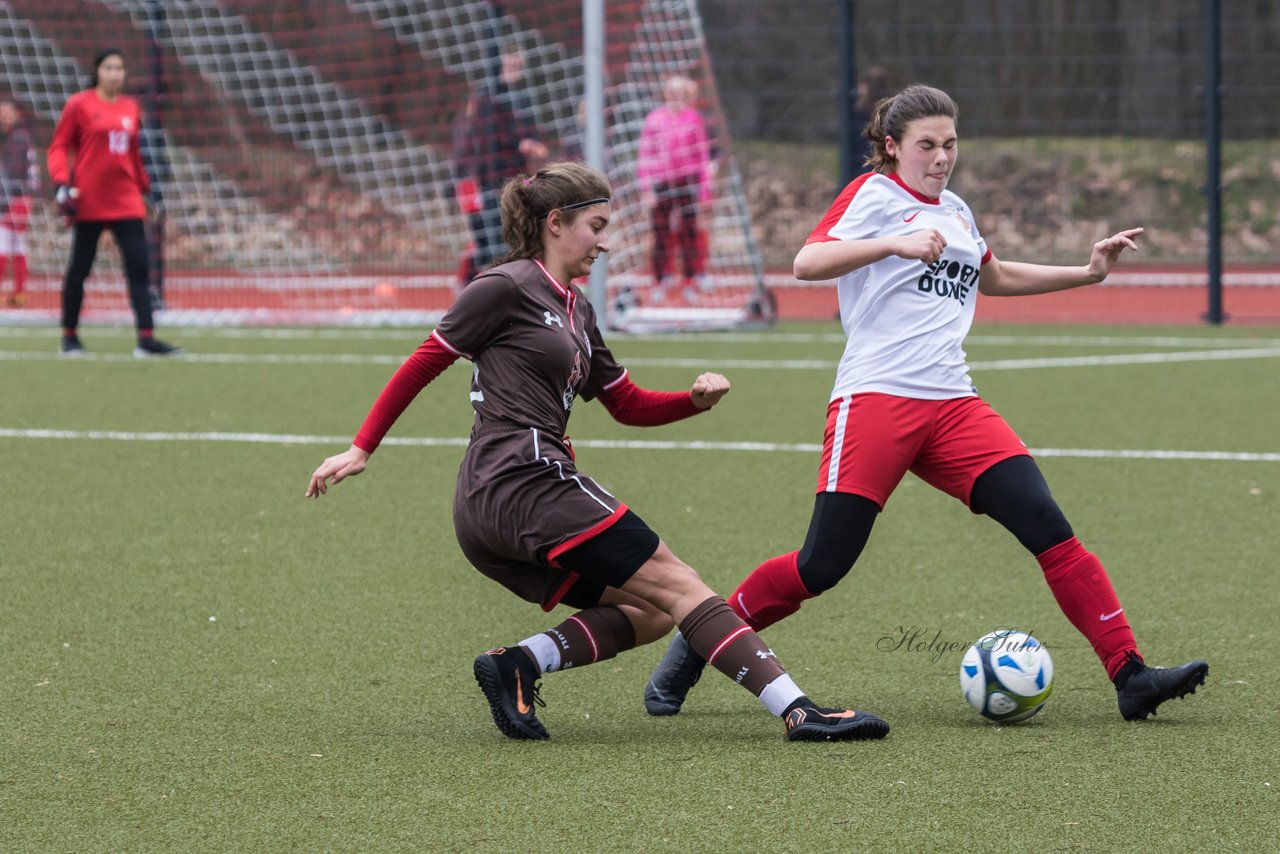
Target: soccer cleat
813, 723
148, 347
1145, 688
679, 670
509, 686
71, 347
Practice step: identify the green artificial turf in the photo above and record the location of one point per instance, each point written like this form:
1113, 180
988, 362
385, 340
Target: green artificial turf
198, 659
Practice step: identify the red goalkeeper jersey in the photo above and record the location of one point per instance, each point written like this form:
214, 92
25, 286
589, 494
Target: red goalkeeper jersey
95, 149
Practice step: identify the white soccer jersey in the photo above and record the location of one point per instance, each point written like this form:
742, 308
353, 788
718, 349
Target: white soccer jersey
906, 320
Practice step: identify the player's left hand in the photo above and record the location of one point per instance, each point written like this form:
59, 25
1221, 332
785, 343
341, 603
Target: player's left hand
1105, 252
708, 389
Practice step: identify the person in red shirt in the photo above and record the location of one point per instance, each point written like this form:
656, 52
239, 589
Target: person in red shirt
18, 180
525, 515
96, 165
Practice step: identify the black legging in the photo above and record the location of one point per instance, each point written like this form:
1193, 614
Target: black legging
131, 237
1013, 492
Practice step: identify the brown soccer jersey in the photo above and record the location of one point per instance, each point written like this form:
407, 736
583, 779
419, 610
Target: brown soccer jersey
520, 500
534, 346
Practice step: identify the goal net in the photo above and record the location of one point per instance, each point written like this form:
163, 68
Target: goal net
317, 161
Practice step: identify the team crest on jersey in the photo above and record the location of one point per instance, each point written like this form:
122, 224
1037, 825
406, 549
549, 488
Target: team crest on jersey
126, 123
575, 377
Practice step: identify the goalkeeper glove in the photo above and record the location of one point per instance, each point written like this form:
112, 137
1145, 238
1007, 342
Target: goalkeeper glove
66, 198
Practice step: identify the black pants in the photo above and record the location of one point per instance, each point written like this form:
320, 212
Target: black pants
1013, 492
131, 237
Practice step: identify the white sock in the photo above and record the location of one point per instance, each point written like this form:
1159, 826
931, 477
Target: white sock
544, 650
779, 694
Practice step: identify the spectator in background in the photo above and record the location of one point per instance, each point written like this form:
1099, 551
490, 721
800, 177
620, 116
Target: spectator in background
674, 173
873, 86
496, 140
19, 180
95, 161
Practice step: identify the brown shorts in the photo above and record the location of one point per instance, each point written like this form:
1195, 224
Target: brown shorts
521, 504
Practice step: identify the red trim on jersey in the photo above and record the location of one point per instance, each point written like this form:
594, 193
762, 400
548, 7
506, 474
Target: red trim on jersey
569, 297
594, 531
641, 407
608, 386
988, 256
554, 599
822, 233
435, 333
920, 197
426, 363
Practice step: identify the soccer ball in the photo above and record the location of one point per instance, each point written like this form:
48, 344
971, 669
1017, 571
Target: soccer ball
1006, 676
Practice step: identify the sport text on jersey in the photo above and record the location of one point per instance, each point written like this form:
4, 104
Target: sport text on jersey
948, 279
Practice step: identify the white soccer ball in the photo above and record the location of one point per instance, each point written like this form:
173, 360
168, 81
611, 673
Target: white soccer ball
1006, 675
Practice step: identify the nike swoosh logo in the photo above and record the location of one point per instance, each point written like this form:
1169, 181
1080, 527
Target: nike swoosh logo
1105, 617
521, 706
914, 214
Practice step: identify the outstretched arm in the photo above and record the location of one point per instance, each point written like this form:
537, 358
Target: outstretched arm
641, 407
1015, 278
427, 362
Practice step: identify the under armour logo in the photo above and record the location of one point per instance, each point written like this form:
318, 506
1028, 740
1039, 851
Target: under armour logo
549, 318
768, 653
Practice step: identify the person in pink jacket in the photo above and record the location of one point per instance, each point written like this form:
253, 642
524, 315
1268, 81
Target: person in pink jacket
674, 173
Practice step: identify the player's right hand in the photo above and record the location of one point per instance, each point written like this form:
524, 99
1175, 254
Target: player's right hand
349, 463
66, 198
926, 246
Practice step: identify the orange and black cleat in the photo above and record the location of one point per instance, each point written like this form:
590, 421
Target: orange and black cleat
507, 678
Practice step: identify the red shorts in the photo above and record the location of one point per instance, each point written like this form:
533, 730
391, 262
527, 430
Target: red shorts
873, 439
18, 214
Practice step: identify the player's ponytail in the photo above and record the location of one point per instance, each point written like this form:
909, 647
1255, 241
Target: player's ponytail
526, 201
891, 116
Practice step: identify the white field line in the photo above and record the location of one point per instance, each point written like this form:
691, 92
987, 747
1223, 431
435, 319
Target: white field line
695, 364
617, 444
406, 335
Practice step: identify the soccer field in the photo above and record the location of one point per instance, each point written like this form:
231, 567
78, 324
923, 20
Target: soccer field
198, 659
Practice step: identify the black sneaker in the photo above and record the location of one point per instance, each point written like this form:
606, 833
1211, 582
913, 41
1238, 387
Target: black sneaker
71, 347
1140, 689
148, 347
813, 723
679, 670
508, 684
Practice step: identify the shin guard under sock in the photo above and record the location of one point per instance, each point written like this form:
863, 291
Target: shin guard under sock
1080, 584
772, 592
596, 634
729, 645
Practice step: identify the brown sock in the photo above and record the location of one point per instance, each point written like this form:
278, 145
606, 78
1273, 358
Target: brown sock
729, 645
596, 634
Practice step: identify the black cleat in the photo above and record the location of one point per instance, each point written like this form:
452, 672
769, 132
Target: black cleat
508, 684
148, 347
813, 723
679, 670
71, 347
1143, 688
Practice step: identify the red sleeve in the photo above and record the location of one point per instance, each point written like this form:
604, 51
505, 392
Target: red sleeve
144, 180
640, 407
426, 363
64, 137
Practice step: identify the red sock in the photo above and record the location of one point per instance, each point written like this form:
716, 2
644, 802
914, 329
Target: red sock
19, 273
770, 593
1080, 584
4, 264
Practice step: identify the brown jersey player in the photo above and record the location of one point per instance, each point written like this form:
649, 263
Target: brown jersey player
524, 515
